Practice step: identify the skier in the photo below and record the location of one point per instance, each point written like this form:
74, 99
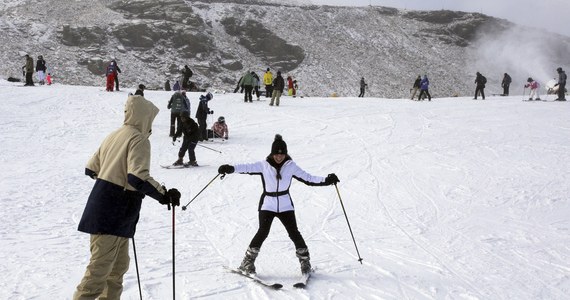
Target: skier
117, 71
363, 86
416, 86
480, 82
176, 86
177, 104
505, 84
48, 79
247, 82
29, 70
191, 136
424, 87
120, 168
111, 72
278, 86
277, 172
167, 85
290, 89
202, 113
268, 81
296, 91
220, 128
561, 85
533, 85
186, 74
256, 84
41, 70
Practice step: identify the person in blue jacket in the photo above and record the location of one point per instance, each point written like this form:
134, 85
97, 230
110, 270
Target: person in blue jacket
120, 168
424, 88
277, 172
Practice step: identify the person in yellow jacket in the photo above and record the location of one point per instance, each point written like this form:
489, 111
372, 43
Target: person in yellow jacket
268, 81
120, 168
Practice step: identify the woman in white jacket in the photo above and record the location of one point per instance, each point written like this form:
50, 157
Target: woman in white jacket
277, 172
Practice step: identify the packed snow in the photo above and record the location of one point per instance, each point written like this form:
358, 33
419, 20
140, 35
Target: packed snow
448, 199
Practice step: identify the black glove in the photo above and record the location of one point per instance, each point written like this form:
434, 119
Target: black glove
226, 169
211, 112
331, 179
172, 196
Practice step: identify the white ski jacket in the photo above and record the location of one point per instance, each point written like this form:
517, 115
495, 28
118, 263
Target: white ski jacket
276, 183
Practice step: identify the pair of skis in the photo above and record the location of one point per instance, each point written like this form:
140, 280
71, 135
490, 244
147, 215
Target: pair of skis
301, 282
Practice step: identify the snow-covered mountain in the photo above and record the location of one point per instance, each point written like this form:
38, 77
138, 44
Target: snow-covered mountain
327, 49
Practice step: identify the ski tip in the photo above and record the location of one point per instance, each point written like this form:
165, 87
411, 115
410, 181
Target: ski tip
276, 286
299, 285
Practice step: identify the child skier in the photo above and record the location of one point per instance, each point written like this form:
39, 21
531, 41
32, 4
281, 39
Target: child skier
533, 85
220, 128
191, 136
277, 172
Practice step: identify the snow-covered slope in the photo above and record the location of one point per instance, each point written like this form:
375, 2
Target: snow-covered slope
449, 199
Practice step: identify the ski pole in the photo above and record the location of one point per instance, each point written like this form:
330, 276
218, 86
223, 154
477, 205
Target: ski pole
349, 228
184, 207
173, 256
209, 148
137, 267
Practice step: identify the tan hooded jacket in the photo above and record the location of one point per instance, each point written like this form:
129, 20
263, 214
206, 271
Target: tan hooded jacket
127, 150
121, 167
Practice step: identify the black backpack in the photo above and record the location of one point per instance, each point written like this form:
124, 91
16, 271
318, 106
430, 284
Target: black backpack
483, 79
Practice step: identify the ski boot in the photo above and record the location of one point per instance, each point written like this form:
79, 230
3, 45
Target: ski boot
304, 259
192, 163
248, 264
178, 162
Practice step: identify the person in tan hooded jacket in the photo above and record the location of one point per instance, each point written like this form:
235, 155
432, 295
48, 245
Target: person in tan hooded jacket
120, 168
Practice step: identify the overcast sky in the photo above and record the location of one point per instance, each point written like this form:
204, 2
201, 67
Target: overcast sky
552, 15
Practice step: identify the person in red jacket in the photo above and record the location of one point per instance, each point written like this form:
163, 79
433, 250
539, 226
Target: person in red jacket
111, 73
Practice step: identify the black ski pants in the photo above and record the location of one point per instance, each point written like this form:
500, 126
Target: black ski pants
287, 219
480, 89
424, 93
268, 91
361, 92
188, 145
203, 130
248, 96
174, 122
562, 91
506, 89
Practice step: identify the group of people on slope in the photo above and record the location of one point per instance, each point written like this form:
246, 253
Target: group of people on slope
422, 84
192, 132
40, 69
532, 84
120, 168
274, 86
187, 85
249, 84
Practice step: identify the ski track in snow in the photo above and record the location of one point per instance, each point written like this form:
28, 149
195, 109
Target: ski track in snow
449, 199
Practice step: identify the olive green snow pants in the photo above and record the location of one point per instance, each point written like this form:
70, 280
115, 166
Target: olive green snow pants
104, 275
